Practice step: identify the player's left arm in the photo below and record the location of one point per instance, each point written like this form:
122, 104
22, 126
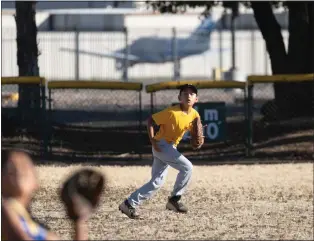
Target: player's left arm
196, 130
80, 230
196, 115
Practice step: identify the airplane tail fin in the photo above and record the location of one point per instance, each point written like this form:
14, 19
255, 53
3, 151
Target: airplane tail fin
205, 28
208, 24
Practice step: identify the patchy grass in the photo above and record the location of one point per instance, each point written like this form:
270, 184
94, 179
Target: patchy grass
225, 202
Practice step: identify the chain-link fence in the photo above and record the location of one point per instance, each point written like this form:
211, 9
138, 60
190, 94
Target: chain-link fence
23, 111
94, 119
280, 121
9, 108
102, 120
221, 107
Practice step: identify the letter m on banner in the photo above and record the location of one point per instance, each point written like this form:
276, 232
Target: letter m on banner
213, 115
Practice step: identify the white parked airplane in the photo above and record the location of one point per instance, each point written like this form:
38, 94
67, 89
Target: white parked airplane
161, 50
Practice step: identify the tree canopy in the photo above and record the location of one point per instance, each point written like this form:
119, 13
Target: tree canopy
291, 98
181, 6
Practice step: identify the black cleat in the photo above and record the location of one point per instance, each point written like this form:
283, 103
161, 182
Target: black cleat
174, 205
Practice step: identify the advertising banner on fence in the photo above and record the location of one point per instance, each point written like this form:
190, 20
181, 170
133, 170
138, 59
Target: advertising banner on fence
213, 114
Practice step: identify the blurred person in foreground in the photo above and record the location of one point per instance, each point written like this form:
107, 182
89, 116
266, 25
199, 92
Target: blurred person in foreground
18, 186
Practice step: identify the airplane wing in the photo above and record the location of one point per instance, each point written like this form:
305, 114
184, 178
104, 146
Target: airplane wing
113, 55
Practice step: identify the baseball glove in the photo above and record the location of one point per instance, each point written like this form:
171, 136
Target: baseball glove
81, 193
197, 135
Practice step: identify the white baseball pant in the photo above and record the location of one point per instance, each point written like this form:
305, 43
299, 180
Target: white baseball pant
169, 156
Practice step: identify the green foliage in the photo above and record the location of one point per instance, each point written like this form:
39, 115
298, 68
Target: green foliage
181, 6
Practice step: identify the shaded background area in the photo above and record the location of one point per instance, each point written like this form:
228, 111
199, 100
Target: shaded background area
103, 125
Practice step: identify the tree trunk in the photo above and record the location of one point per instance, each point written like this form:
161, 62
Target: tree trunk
271, 32
291, 99
311, 35
27, 60
295, 98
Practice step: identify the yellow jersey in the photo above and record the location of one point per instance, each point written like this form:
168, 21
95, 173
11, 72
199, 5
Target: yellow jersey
173, 123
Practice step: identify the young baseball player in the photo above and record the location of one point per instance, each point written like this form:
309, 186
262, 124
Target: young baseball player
173, 122
18, 186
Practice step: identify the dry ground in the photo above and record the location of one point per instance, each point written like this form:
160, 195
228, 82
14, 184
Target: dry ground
226, 202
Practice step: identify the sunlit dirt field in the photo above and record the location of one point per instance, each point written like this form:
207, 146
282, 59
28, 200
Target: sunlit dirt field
225, 202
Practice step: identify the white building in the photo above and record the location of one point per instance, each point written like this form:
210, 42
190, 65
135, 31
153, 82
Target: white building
100, 29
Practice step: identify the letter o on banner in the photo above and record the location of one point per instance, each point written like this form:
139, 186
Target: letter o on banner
212, 131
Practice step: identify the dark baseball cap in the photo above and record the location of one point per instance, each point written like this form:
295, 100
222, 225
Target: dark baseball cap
188, 86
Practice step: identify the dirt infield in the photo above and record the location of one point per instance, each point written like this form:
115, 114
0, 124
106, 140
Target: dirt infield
226, 202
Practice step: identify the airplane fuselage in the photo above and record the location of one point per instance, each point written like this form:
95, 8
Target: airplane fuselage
161, 50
